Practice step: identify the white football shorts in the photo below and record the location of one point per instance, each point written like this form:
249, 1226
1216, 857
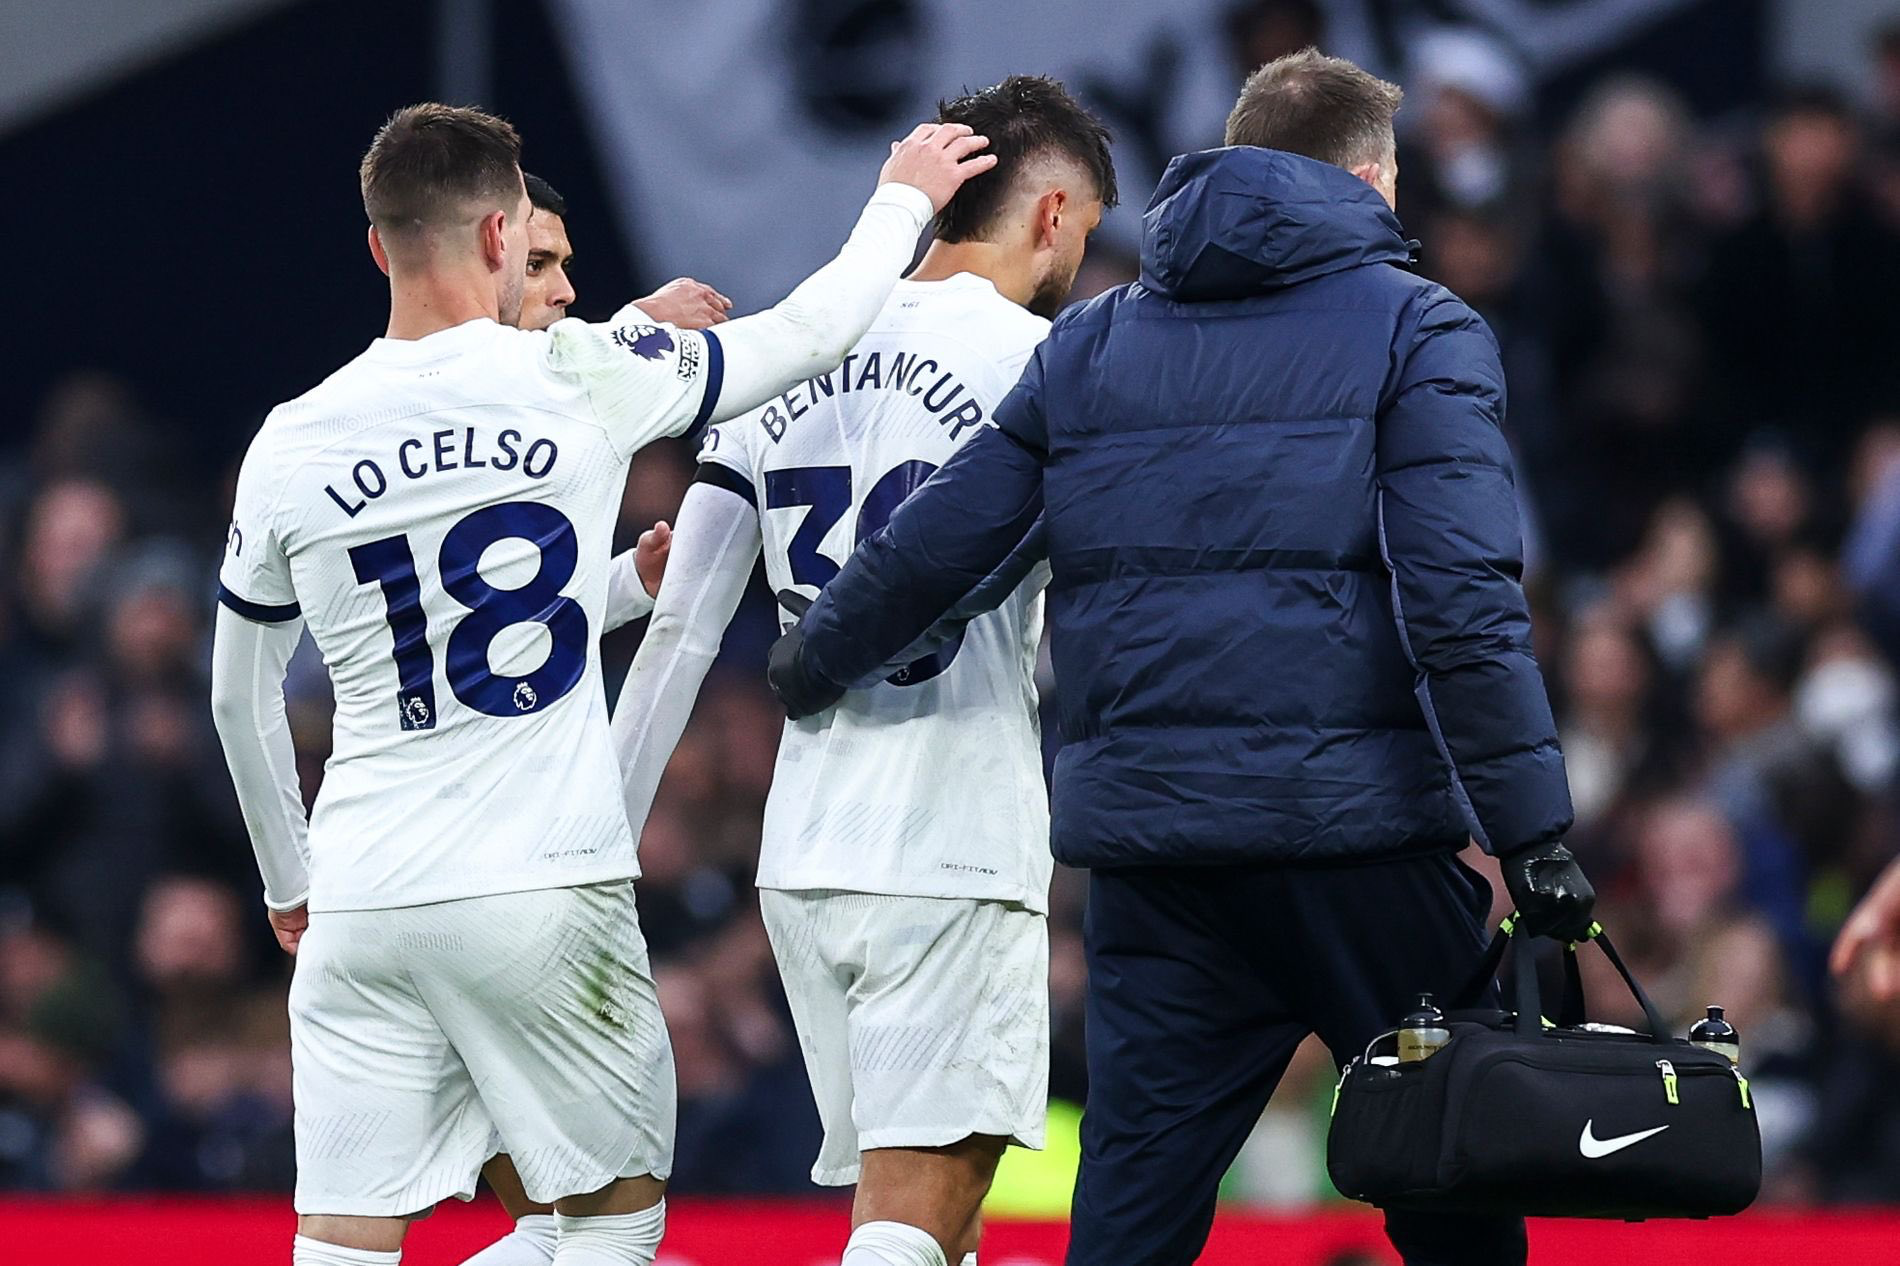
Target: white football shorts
424, 1039
923, 1020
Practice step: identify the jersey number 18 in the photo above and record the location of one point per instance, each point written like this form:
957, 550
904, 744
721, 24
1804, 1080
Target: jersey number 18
390, 564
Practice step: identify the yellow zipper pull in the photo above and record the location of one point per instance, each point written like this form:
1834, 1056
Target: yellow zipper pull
1742, 1082
1669, 1080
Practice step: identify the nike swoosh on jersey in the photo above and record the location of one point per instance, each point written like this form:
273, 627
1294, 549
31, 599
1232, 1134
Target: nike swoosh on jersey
1594, 1148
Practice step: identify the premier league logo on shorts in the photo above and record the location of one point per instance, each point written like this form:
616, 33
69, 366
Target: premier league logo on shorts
649, 342
525, 698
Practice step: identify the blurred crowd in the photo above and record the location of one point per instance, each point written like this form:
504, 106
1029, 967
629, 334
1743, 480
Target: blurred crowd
1699, 329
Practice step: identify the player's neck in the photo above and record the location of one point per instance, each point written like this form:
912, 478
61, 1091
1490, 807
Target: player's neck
427, 303
1003, 267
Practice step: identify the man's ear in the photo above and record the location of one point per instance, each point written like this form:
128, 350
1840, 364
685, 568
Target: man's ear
494, 238
1371, 173
1050, 208
376, 251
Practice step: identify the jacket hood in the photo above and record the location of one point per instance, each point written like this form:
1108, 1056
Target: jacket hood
1229, 223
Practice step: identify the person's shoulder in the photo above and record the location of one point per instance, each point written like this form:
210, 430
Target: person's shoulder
966, 306
1386, 284
734, 443
1429, 308
333, 389
1416, 304
289, 426
1005, 329
628, 341
308, 424
512, 346
1020, 328
355, 385
1099, 310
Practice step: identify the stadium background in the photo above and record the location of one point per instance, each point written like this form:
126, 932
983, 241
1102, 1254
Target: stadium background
1682, 218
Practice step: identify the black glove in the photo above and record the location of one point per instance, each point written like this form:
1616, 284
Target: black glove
1551, 894
801, 691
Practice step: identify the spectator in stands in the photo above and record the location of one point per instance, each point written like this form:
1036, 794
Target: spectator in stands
1611, 735
60, 1025
1797, 298
219, 1046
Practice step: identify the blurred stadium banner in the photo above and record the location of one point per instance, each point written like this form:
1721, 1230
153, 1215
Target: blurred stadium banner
734, 105
728, 106
54, 53
719, 1233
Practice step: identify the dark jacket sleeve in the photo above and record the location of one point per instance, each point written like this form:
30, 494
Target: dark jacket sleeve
941, 545
1449, 535
990, 593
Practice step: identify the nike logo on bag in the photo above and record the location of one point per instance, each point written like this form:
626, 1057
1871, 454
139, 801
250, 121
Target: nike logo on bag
1594, 1148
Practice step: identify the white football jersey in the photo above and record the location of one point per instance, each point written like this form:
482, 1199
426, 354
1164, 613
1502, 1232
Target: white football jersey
441, 513
929, 783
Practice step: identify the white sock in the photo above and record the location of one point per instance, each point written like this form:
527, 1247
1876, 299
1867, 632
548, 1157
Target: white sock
892, 1244
615, 1239
969, 1258
305, 1251
531, 1243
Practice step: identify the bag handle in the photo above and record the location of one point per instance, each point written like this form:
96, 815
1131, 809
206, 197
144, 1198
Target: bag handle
1529, 1004
1571, 1010
1658, 1027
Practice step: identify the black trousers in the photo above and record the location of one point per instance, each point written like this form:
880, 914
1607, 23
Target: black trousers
1202, 980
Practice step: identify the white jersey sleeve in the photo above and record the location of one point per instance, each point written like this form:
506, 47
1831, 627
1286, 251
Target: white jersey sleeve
814, 327
714, 548
627, 596
644, 380
255, 580
727, 445
248, 662
648, 380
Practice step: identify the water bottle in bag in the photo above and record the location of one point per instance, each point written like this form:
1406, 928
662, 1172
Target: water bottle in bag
1422, 1033
1716, 1034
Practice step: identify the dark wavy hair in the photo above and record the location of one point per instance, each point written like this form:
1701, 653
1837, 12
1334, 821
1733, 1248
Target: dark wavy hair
1025, 117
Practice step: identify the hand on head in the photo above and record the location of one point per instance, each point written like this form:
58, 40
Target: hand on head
937, 158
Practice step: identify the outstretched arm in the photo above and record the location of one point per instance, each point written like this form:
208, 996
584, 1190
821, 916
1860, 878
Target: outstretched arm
647, 380
1027, 567
248, 663
715, 544
817, 325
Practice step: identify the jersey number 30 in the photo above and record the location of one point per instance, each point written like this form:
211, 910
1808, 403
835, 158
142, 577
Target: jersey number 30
390, 564
827, 490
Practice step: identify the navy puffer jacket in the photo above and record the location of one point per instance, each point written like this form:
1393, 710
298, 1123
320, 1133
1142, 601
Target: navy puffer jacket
1285, 611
